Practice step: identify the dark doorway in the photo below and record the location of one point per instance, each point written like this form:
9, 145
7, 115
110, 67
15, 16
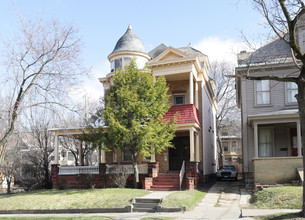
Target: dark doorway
180, 152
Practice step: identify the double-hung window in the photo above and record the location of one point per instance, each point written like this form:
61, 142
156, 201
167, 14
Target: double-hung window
263, 92
292, 90
233, 146
265, 142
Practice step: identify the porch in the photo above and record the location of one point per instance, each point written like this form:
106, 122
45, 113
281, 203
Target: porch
186, 149
277, 147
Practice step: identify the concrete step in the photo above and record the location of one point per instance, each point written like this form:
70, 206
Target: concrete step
164, 187
144, 209
145, 205
147, 200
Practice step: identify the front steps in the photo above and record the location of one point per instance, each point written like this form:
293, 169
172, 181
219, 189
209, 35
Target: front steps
145, 204
166, 181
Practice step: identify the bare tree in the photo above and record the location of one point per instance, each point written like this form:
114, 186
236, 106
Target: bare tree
38, 142
225, 97
43, 64
11, 163
72, 144
286, 20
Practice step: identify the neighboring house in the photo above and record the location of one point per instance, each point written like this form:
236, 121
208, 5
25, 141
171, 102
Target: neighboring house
192, 100
271, 131
232, 150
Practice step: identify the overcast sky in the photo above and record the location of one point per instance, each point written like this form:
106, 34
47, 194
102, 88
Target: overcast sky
212, 26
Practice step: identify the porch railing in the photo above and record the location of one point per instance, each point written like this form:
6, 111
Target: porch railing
75, 170
143, 169
181, 174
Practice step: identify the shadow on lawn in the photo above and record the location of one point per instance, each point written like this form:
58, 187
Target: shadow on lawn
48, 192
297, 215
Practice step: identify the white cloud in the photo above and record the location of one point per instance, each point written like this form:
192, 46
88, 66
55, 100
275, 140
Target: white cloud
92, 87
219, 49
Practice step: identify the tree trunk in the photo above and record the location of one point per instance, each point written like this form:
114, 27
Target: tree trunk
135, 170
220, 162
8, 182
301, 104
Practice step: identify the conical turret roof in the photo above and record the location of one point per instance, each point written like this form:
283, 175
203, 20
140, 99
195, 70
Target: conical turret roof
129, 42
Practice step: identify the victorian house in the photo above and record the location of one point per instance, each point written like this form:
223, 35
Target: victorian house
191, 91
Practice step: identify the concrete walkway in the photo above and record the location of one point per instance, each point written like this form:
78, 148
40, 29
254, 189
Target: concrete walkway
158, 194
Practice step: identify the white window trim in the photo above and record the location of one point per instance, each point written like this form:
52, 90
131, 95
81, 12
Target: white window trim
272, 137
255, 95
179, 94
286, 97
235, 146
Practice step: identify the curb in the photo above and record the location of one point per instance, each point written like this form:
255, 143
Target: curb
126, 209
69, 211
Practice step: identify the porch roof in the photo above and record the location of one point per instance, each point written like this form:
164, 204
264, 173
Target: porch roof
282, 116
184, 114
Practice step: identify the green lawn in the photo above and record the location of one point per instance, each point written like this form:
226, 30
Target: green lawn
287, 197
280, 216
63, 199
188, 198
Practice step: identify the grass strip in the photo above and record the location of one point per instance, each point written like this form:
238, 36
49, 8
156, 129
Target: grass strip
187, 198
280, 216
70, 199
286, 197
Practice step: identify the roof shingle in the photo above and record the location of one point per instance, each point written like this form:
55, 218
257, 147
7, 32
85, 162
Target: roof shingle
184, 114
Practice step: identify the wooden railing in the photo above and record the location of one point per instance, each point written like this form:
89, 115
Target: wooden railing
181, 174
143, 169
75, 170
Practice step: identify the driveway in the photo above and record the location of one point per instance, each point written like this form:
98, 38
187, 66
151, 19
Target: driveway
221, 202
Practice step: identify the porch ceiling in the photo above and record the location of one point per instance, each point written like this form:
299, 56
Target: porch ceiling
283, 116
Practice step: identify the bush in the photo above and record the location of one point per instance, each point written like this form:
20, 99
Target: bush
119, 176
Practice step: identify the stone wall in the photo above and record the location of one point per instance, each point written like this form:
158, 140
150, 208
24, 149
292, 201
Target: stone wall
276, 170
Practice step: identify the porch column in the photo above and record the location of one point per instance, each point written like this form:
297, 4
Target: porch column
192, 147
196, 95
191, 88
153, 155
56, 148
103, 154
299, 140
80, 153
255, 141
197, 147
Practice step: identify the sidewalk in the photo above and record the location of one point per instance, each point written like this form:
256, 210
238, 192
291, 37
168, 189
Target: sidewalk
224, 200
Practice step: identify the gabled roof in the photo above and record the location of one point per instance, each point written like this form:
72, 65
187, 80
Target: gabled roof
275, 51
171, 52
187, 51
157, 51
184, 114
191, 51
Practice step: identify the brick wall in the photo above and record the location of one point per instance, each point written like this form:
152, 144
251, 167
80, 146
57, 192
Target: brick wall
276, 170
82, 181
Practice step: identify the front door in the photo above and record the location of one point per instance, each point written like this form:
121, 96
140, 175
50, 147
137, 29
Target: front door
180, 152
294, 142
